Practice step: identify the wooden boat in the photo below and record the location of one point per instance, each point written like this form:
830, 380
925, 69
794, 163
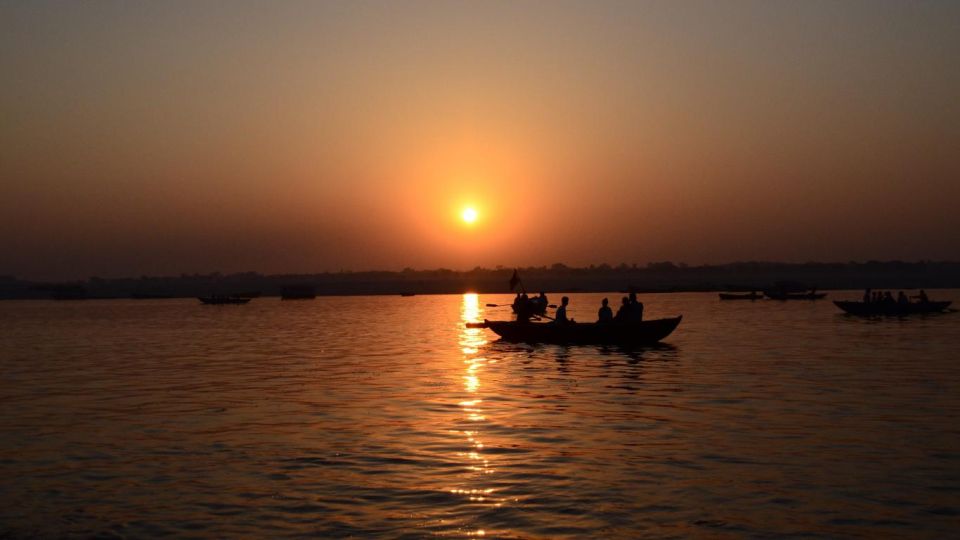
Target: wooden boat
779, 295
869, 309
216, 299
741, 296
633, 333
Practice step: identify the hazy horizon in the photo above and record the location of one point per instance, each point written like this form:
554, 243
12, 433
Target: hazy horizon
301, 137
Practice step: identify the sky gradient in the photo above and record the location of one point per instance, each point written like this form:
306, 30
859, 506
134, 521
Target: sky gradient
169, 137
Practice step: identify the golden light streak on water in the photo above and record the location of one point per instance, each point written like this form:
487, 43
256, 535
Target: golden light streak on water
471, 341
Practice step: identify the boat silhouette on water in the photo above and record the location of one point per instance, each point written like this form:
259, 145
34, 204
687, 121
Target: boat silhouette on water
216, 299
613, 333
871, 309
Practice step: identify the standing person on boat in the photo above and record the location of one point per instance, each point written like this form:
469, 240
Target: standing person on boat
605, 314
867, 297
636, 308
561, 316
923, 297
902, 299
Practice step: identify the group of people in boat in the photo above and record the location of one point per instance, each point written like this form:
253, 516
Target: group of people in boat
526, 307
886, 297
631, 310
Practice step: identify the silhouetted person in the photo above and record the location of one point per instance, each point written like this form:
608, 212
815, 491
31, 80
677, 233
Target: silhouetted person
623, 314
888, 298
542, 298
523, 308
636, 308
867, 297
902, 299
561, 316
923, 297
605, 314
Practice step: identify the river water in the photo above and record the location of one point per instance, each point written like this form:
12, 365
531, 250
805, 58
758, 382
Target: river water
385, 417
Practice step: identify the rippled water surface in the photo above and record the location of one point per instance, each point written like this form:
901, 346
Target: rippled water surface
385, 417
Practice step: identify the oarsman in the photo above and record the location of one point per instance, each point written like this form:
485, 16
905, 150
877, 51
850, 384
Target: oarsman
561, 315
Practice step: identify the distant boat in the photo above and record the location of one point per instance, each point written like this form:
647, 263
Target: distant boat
218, 299
298, 292
868, 309
780, 295
741, 296
632, 333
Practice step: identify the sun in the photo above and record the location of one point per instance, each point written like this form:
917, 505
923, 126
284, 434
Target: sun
469, 215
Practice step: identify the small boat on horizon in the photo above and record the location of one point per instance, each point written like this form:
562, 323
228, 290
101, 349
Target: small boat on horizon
219, 299
615, 333
893, 309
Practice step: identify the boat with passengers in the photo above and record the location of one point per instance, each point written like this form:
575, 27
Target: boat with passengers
606, 333
895, 309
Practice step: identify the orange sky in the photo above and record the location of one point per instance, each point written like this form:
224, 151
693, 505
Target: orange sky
304, 136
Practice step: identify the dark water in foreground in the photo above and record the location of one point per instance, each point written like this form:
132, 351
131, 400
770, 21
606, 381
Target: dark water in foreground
276, 419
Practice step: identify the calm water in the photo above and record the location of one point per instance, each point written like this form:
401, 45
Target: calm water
386, 417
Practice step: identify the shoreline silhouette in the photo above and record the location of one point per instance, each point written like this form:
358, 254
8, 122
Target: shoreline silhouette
653, 277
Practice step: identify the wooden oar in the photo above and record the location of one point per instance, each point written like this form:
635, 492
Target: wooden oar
551, 306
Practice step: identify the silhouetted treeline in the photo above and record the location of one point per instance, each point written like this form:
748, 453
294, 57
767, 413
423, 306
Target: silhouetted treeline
652, 277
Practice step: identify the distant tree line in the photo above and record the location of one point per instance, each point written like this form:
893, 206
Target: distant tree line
557, 277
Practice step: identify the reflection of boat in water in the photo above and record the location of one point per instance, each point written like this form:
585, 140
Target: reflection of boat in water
893, 309
615, 333
741, 296
217, 299
780, 295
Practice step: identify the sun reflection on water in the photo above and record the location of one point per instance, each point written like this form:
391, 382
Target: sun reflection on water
471, 341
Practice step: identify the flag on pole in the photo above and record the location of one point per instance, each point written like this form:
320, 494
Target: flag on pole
514, 280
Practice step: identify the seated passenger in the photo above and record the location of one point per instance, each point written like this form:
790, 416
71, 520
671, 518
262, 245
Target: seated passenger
923, 297
523, 308
561, 315
902, 299
867, 296
623, 314
605, 314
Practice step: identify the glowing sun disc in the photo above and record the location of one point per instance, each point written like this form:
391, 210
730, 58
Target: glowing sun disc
469, 215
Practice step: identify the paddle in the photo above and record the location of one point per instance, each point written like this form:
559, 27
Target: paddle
551, 306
